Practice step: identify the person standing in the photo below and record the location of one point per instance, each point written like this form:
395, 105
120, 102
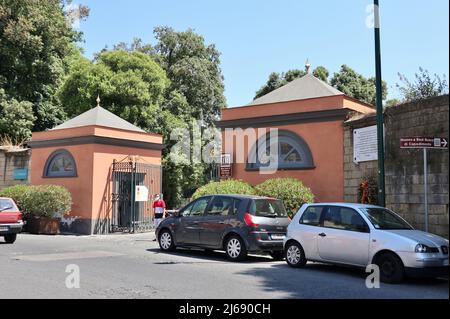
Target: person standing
159, 207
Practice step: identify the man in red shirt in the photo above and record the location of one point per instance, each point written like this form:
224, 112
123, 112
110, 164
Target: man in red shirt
159, 207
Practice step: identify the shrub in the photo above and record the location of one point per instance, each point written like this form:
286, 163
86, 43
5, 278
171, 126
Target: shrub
292, 191
230, 186
17, 193
41, 200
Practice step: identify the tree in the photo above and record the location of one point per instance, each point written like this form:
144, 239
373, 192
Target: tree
131, 85
356, 85
423, 87
16, 119
277, 80
35, 39
392, 102
194, 70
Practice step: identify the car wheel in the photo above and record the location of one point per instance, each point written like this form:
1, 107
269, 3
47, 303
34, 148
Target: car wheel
391, 268
295, 255
235, 248
277, 255
166, 242
10, 238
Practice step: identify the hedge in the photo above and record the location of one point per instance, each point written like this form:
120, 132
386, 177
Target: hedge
41, 200
230, 186
292, 191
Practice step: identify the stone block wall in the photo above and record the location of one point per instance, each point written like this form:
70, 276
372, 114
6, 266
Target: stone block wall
355, 173
404, 168
9, 161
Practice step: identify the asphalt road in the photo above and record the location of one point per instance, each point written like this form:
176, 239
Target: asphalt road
131, 266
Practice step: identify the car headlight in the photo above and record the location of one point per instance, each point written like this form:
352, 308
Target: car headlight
421, 248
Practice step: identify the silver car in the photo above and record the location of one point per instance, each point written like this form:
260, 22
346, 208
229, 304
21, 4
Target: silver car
360, 235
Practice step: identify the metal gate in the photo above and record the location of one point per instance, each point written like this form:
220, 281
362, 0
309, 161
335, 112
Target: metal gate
128, 215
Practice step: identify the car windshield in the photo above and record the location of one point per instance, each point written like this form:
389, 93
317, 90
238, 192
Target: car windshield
385, 219
267, 208
7, 205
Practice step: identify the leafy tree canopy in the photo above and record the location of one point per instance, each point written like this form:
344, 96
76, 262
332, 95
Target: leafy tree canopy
356, 85
424, 86
16, 119
194, 70
130, 84
35, 39
346, 80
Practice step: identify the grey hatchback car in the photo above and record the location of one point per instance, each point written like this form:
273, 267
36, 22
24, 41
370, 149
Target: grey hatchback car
237, 224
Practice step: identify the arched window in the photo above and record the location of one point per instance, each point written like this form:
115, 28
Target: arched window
60, 164
291, 151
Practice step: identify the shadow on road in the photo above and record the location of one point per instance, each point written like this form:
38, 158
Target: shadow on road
209, 255
325, 281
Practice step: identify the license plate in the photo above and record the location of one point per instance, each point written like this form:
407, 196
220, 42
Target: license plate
277, 237
4, 228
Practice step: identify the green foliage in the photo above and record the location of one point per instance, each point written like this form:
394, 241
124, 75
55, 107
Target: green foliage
277, 80
17, 193
225, 187
292, 191
423, 87
35, 40
16, 119
130, 84
194, 70
346, 80
41, 200
356, 85
392, 102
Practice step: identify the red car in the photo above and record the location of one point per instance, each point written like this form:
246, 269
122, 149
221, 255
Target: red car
10, 220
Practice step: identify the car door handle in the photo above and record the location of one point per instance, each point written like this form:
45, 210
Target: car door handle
323, 235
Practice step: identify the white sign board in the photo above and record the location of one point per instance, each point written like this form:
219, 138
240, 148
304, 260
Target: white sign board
225, 160
141, 194
365, 144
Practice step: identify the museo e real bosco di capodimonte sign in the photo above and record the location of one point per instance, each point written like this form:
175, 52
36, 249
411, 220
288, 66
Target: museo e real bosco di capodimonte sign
424, 142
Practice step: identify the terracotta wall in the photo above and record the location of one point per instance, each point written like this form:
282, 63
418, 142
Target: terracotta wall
104, 155
308, 105
325, 141
80, 187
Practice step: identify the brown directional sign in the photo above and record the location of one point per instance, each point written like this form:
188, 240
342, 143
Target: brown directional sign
424, 142
225, 166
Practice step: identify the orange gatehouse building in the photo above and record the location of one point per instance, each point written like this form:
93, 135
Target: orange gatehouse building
309, 115
102, 160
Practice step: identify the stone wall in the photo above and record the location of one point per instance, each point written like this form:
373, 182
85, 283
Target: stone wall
11, 159
404, 168
355, 173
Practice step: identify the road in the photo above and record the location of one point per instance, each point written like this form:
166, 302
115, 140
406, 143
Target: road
131, 266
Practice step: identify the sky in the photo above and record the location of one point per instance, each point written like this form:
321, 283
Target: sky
257, 37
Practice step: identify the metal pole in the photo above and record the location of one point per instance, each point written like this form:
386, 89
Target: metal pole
425, 183
380, 117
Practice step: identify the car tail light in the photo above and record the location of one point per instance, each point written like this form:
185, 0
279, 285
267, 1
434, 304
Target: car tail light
20, 217
248, 218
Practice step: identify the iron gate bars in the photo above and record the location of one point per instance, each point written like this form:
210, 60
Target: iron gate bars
128, 215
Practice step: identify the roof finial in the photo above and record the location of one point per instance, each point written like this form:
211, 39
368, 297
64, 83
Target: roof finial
98, 100
307, 66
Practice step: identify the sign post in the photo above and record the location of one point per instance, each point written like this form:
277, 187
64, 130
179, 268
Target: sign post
425, 143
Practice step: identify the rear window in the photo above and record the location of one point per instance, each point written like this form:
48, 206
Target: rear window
7, 205
267, 208
311, 216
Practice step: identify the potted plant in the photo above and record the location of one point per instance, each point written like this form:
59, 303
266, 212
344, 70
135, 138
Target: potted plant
43, 206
